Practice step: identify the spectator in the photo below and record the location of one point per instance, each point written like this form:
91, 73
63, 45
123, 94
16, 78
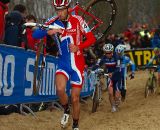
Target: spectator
90, 58
14, 21
3, 10
127, 43
22, 9
31, 42
135, 42
145, 40
98, 49
128, 34
155, 41
13, 29
117, 40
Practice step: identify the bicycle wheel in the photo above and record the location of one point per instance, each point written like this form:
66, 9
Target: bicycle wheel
154, 85
104, 10
38, 69
95, 99
147, 89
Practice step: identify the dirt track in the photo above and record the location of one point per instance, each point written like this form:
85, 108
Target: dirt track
137, 113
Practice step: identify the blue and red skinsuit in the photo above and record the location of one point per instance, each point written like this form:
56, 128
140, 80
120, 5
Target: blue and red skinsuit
71, 65
112, 65
125, 61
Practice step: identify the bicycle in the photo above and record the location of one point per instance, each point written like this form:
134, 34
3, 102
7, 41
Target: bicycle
94, 23
40, 56
151, 83
97, 93
110, 9
102, 21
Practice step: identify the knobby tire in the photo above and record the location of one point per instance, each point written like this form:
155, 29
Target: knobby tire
95, 100
112, 16
36, 69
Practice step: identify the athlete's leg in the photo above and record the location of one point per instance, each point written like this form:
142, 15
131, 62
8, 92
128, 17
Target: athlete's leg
110, 92
76, 80
123, 90
118, 87
75, 96
61, 82
111, 96
117, 97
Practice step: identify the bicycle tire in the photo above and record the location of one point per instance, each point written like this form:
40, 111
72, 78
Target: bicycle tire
146, 92
154, 84
36, 79
94, 4
95, 100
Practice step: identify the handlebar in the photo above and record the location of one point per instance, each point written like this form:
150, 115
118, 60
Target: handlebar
106, 75
42, 26
100, 71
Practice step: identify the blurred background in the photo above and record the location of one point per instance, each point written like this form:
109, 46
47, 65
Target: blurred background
129, 11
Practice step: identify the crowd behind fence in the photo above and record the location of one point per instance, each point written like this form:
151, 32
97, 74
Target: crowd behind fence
136, 36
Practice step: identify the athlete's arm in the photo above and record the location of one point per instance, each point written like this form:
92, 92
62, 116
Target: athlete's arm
151, 61
90, 38
41, 33
132, 66
99, 63
129, 61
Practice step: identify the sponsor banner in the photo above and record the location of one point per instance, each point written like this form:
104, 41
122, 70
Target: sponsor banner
88, 85
16, 77
140, 57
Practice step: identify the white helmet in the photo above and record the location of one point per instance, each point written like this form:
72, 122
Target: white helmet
108, 47
120, 49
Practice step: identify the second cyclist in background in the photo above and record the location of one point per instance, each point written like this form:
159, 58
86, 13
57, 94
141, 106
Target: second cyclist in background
111, 66
125, 61
157, 58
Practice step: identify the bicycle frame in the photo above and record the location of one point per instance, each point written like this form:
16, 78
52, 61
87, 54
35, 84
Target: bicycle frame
97, 93
151, 83
77, 9
98, 83
36, 84
151, 77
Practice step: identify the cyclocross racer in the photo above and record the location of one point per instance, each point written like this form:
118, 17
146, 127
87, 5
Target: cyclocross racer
125, 61
112, 67
71, 62
157, 58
